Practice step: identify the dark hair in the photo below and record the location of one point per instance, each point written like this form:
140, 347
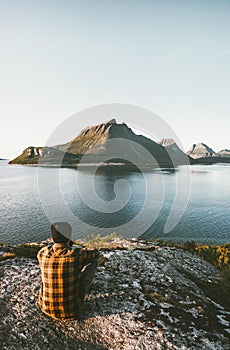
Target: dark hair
61, 232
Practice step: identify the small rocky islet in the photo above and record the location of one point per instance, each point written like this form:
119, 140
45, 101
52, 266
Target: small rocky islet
144, 296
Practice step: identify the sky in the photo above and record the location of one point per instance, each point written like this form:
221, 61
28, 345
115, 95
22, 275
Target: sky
61, 56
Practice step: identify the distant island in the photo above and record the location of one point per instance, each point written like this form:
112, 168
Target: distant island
94, 145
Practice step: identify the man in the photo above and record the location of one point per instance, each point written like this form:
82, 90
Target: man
67, 273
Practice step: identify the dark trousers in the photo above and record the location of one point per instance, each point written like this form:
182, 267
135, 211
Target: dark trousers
87, 276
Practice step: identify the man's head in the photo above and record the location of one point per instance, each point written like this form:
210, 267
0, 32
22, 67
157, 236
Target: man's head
61, 232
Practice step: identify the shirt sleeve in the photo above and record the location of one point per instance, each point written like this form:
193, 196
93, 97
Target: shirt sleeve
88, 256
40, 253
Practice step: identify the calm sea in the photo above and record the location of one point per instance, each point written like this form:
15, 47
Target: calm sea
124, 202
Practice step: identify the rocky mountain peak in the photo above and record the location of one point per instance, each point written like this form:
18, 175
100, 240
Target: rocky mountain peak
112, 121
32, 151
174, 151
200, 150
166, 142
98, 129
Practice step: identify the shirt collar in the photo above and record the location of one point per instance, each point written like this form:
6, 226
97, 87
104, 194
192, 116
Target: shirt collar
58, 246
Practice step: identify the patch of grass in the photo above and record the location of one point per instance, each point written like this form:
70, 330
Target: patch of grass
6, 256
190, 246
156, 297
218, 255
111, 241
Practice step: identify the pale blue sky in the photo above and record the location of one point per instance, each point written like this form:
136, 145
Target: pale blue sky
58, 57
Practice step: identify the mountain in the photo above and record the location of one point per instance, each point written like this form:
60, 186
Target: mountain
203, 154
174, 151
224, 153
200, 150
99, 142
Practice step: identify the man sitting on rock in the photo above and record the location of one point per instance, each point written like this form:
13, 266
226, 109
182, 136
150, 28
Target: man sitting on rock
67, 273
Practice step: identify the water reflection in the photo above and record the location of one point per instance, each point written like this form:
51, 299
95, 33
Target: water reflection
123, 169
206, 218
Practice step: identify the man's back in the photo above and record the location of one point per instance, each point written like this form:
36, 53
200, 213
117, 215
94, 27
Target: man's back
61, 266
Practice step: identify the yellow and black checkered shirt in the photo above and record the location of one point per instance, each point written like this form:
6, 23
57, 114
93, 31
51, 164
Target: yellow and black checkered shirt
61, 267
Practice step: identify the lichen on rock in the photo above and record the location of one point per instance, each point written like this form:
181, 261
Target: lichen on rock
138, 300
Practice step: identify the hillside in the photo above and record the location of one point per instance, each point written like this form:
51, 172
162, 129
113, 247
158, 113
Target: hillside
144, 296
99, 142
224, 153
174, 151
33, 155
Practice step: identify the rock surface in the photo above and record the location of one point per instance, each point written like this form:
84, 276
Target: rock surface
139, 300
178, 156
224, 153
200, 150
33, 151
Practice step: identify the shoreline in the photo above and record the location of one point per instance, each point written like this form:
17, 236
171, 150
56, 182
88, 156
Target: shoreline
113, 241
141, 241
95, 165
124, 166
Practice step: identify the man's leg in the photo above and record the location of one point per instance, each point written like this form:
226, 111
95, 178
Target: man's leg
88, 273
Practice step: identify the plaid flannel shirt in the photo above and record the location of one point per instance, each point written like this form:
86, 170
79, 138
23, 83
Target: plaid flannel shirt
61, 267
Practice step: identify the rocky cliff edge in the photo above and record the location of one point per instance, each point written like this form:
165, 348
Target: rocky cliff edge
144, 296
